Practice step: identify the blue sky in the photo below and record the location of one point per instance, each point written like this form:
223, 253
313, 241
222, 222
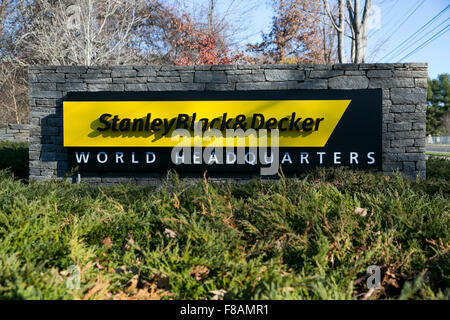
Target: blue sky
398, 21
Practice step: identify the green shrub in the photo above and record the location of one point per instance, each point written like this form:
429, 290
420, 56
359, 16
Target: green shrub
299, 238
438, 168
14, 157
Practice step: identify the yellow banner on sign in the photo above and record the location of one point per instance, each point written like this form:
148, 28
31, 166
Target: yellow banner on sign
301, 123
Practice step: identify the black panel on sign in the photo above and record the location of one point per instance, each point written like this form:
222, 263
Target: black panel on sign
355, 142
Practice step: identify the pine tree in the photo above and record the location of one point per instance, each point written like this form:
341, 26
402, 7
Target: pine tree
438, 104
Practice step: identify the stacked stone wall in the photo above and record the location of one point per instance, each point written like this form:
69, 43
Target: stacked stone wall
404, 87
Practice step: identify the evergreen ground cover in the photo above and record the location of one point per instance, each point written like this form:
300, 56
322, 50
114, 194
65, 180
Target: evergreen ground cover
309, 237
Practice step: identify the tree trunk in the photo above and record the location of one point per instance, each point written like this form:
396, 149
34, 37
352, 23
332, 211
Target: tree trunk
352, 55
358, 47
339, 26
212, 6
359, 27
341, 33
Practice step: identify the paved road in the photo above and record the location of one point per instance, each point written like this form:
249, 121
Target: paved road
438, 148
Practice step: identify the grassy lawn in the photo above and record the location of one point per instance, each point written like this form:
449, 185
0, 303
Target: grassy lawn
437, 154
310, 237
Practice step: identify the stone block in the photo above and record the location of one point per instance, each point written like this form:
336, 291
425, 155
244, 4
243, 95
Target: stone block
51, 77
408, 95
379, 73
284, 75
210, 77
348, 82
325, 73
